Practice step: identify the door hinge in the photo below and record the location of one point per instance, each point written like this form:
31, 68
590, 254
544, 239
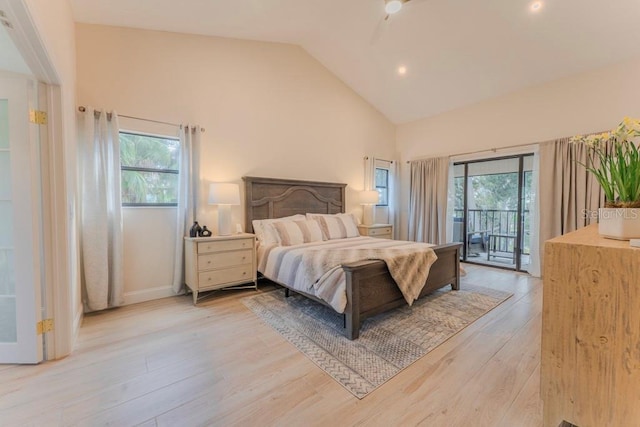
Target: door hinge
44, 326
38, 117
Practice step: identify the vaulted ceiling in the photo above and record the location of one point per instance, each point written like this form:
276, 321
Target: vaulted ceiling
456, 52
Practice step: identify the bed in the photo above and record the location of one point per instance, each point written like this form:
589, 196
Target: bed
370, 289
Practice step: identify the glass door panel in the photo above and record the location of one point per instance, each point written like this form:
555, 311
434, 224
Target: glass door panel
19, 254
4, 124
527, 209
458, 207
491, 210
8, 319
5, 174
492, 206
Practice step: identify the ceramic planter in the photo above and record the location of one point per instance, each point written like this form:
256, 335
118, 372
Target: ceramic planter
619, 223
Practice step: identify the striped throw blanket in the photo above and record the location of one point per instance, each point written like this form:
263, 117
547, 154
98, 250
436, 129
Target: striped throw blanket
315, 268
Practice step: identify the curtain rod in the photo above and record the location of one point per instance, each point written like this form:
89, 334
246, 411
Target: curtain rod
488, 150
82, 109
382, 160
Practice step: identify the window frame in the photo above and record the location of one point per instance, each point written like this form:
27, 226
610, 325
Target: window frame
147, 170
385, 188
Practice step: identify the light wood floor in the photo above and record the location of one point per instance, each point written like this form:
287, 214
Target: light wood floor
168, 363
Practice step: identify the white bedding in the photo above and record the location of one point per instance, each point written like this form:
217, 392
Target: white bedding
314, 268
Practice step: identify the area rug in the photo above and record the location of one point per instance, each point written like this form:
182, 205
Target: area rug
388, 343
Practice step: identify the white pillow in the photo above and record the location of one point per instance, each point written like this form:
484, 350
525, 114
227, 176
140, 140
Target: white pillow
297, 232
337, 226
265, 233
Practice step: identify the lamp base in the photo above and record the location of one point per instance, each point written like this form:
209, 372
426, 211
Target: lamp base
368, 215
224, 220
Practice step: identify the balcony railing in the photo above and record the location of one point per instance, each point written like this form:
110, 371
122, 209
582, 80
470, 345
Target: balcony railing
497, 222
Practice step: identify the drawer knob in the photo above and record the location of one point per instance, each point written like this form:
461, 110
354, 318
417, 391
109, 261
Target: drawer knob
244, 273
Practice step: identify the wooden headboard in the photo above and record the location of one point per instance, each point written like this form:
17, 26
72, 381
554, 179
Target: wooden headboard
267, 198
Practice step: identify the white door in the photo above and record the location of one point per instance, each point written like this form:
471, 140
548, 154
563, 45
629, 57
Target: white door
20, 210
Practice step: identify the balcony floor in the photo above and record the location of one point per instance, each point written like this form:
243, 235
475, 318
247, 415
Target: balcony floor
498, 259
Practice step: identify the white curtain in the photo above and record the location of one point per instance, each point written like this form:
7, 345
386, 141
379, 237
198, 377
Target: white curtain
100, 210
394, 198
188, 192
568, 194
369, 173
369, 184
428, 194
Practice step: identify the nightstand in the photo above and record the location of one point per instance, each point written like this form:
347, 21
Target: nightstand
381, 231
220, 262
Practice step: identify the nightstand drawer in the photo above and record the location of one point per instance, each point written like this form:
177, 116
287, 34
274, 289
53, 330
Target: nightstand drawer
225, 245
227, 275
380, 231
224, 259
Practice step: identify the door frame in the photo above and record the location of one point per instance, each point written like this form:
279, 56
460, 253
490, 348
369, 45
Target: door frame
519, 217
58, 207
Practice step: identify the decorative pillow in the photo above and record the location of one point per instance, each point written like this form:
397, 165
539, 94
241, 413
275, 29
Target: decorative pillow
265, 233
338, 226
298, 232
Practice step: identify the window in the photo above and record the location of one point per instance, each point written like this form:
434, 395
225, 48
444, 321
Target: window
149, 170
382, 185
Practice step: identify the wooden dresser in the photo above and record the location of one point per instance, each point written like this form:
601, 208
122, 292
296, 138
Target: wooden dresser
590, 361
219, 262
382, 231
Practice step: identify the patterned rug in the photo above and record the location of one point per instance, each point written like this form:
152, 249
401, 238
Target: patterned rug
388, 343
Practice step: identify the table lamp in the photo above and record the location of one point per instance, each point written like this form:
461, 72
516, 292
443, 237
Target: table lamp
368, 199
224, 195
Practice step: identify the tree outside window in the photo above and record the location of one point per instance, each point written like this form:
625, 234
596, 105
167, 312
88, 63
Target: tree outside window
149, 170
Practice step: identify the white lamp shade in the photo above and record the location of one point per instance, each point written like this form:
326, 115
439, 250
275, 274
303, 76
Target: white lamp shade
369, 197
224, 194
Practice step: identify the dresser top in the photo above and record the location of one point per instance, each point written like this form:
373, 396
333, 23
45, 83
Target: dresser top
216, 238
588, 236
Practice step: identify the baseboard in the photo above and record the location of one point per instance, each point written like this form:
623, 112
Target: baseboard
148, 294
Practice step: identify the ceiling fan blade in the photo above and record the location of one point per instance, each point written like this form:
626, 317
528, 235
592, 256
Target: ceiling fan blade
380, 29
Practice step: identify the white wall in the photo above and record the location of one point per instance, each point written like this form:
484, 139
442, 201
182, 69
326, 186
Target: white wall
589, 102
269, 109
149, 239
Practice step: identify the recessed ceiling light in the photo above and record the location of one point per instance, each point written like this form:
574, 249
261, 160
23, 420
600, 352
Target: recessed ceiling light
392, 6
536, 6
402, 70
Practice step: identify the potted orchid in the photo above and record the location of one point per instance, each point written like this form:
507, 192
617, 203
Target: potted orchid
614, 160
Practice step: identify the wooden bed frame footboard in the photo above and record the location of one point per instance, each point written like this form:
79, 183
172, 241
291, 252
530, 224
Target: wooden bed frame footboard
371, 290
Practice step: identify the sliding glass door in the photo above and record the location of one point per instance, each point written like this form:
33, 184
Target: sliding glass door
492, 210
